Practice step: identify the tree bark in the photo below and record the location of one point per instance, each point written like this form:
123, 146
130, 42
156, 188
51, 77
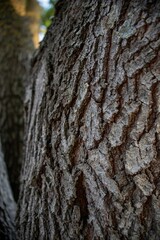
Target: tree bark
7, 204
16, 48
93, 146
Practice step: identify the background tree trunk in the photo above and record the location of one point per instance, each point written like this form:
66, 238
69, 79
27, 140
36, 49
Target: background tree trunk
33, 12
92, 160
16, 48
7, 204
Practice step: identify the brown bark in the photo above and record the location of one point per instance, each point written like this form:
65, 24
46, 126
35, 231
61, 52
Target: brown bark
92, 158
16, 48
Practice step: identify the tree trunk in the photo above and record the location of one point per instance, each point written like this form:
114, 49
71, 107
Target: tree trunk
16, 48
7, 204
92, 160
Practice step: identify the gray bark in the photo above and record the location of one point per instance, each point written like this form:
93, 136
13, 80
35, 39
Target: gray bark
93, 146
7, 204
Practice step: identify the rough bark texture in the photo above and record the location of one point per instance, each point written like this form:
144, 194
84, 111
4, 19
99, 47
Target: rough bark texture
7, 204
92, 160
16, 48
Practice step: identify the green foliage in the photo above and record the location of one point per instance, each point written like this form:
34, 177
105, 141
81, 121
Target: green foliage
48, 14
52, 1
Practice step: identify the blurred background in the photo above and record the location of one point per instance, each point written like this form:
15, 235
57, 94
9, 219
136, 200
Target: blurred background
48, 10
23, 24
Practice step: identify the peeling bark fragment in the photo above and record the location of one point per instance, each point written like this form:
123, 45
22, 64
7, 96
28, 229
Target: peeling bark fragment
143, 183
